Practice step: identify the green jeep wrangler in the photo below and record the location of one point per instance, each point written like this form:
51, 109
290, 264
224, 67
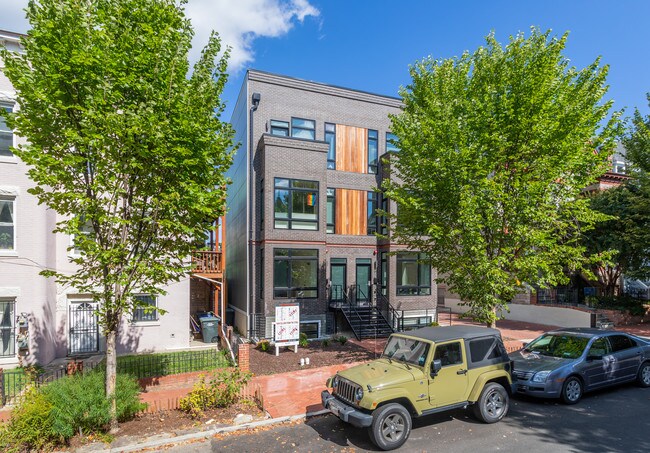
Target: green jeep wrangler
422, 372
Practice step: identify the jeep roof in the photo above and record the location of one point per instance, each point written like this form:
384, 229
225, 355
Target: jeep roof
437, 334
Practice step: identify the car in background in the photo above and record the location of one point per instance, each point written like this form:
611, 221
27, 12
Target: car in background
566, 363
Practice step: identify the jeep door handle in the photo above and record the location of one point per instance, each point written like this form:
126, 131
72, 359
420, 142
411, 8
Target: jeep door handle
461, 372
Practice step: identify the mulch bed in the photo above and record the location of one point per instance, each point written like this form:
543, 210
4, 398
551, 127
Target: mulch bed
262, 363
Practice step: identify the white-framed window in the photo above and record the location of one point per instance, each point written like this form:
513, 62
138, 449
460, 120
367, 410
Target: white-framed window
7, 224
7, 328
6, 134
86, 228
146, 310
310, 328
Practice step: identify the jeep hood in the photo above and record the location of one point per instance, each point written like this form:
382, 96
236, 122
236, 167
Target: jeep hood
524, 361
381, 373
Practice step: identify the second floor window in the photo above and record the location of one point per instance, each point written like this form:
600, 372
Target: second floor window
371, 212
6, 134
391, 143
7, 225
413, 277
372, 151
301, 128
331, 210
295, 204
330, 138
280, 128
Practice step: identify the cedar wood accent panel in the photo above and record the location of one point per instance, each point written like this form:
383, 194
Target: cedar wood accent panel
351, 212
351, 149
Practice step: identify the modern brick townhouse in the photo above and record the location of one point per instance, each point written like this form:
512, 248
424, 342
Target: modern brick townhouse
302, 212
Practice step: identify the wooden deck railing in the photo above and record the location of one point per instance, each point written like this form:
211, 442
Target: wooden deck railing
207, 262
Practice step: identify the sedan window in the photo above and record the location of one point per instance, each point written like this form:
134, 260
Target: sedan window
621, 342
559, 345
600, 347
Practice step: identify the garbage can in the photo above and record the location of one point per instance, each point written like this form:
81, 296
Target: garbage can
210, 329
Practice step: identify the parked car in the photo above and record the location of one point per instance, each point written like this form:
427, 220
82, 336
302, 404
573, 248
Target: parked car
429, 370
566, 363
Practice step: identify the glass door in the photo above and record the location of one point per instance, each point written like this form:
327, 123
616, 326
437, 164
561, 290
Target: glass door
338, 280
364, 281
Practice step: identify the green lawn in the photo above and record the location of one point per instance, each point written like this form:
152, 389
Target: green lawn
14, 382
163, 364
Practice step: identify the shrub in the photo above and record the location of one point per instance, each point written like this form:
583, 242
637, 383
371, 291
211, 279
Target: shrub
264, 345
434, 324
52, 414
303, 340
221, 391
325, 343
30, 426
624, 302
342, 339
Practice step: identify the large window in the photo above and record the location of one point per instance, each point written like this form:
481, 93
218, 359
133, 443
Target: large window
330, 138
7, 225
413, 277
296, 204
6, 134
331, 210
371, 212
383, 272
7, 329
383, 219
86, 229
301, 128
145, 311
280, 128
295, 273
391, 143
372, 151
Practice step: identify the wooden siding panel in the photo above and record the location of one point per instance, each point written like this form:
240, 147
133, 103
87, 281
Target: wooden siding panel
351, 149
351, 212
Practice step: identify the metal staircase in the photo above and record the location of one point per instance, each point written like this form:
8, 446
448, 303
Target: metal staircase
365, 319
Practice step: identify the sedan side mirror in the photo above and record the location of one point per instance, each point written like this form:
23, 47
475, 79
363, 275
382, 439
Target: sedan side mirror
436, 365
594, 357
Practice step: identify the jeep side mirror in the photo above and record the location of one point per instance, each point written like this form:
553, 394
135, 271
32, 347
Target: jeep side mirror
436, 365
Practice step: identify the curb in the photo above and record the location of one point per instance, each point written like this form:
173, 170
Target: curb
211, 432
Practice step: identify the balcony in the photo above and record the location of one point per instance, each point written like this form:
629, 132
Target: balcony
207, 263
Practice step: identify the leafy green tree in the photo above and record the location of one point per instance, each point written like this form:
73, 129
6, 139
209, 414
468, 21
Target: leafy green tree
124, 137
495, 147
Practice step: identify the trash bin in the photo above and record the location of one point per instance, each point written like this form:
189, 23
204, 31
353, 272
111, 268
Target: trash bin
210, 328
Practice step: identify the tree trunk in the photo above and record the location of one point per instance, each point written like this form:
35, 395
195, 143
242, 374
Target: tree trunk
111, 378
492, 324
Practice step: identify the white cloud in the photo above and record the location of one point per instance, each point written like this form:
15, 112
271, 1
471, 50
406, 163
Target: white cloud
239, 22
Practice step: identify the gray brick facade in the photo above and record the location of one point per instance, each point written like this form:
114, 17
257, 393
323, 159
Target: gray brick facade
284, 98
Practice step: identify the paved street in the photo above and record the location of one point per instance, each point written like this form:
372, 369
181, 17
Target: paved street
616, 420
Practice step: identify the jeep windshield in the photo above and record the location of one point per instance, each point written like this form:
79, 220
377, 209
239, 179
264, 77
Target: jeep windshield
406, 350
559, 345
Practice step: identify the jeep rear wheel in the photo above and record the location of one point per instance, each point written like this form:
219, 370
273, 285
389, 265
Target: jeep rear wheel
493, 403
391, 426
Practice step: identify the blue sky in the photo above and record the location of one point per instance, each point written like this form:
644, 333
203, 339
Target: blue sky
368, 44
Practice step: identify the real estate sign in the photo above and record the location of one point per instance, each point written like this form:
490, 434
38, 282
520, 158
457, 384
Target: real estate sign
286, 328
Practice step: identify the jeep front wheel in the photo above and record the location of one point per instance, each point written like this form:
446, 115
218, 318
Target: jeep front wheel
391, 426
493, 403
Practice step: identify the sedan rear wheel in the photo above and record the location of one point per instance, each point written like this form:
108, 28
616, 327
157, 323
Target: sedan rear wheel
643, 378
572, 390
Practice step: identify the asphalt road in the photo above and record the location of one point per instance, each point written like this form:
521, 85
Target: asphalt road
615, 420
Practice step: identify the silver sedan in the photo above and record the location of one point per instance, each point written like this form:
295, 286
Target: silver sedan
565, 363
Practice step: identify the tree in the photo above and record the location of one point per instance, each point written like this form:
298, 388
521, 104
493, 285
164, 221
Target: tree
122, 137
495, 147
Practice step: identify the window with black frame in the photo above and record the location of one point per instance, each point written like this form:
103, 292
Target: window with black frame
372, 151
331, 210
7, 328
302, 128
280, 128
413, 276
145, 310
330, 138
371, 212
6, 134
295, 273
391, 143
295, 204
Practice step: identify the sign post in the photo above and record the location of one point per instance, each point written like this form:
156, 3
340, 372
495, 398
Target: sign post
286, 328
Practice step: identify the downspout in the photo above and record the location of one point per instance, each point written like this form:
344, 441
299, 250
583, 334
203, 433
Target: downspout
255, 102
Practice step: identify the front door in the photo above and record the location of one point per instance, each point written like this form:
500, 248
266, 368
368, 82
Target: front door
363, 281
84, 331
450, 384
338, 280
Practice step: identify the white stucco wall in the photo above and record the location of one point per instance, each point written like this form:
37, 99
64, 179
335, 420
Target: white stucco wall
46, 302
538, 314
